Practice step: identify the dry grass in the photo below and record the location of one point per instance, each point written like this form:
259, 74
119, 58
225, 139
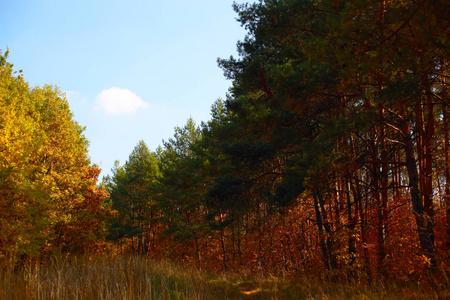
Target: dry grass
140, 278
118, 278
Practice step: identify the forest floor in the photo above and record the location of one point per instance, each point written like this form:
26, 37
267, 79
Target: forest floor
141, 278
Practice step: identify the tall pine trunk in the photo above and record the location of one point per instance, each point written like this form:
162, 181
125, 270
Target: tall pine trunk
423, 221
447, 174
326, 243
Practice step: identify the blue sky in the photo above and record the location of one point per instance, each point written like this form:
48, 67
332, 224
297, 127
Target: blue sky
132, 69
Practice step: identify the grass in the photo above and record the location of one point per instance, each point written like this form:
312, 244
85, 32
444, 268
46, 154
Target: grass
135, 277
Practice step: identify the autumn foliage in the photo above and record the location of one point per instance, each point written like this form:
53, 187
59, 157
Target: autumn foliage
330, 156
49, 201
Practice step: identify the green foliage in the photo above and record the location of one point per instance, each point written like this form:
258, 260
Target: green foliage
181, 183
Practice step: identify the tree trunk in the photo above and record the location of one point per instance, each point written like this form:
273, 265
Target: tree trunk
447, 175
351, 224
222, 243
323, 227
197, 248
423, 221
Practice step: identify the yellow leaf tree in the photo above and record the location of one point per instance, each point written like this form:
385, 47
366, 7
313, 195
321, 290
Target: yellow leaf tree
48, 195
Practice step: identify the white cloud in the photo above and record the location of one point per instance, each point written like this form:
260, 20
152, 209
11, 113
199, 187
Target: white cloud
117, 101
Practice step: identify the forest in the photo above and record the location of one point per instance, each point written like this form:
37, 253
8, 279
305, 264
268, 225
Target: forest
329, 158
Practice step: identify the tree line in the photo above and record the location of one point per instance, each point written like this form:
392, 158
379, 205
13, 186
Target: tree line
330, 154
332, 147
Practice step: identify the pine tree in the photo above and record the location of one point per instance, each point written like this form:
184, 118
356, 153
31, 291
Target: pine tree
131, 196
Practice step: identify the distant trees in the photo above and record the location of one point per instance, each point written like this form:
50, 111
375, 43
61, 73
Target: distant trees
130, 188
181, 184
49, 200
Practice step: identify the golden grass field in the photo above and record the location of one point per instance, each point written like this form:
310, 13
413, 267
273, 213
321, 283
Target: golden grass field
133, 277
